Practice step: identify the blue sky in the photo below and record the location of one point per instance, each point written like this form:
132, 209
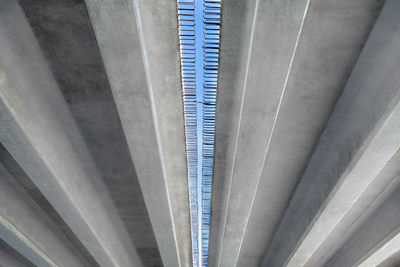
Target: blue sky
199, 42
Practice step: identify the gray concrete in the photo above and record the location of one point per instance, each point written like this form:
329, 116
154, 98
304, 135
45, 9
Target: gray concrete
376, 240
27, 227
37, 197
15, 239
361, 137
307, 158
387, 181
39, 132
7, 260
268, 64
160, 38
11, 258
392, 261
144, 78
234, 57
329, 46
65, 35
388, 249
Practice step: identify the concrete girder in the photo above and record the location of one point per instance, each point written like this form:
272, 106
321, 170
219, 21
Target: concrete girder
359, 140
11, 257
375, 195
9, 261
67, 40
26, 227
234, 55
39, 132
392, 261
239, 158
143, 70
374, 241
327, 50
388, 249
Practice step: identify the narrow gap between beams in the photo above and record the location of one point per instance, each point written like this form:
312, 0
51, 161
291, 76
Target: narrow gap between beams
199, 40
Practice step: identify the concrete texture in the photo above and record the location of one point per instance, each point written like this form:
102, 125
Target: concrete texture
386, 182
375, 241
65, 35
268, 64
392, 261
25, 222
11, 258
39, 132
160, 39
360, 138
144, 79
92, 147
327, 50
234, 57
36, 196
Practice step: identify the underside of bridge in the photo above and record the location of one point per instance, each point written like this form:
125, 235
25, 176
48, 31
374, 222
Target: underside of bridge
215, 133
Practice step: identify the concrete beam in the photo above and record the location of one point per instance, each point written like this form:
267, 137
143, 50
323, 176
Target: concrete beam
67, 40
28, 229
392, 261
10, 261
261, 76
36, 196
327, 50
143, 70
374, 196
388, 249
10, 257
359, 140
37, 129
234, 55
376, 240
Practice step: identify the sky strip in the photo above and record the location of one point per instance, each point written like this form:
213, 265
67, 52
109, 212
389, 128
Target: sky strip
199, 37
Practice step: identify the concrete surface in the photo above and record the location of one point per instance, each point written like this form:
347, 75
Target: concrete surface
361, 137
386, 182
146, 87
268, 64
327, 50
39, 132
10, 257
307, 160
65, 35
234, 56
376, 240
35, 196
24, 220
392, 261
